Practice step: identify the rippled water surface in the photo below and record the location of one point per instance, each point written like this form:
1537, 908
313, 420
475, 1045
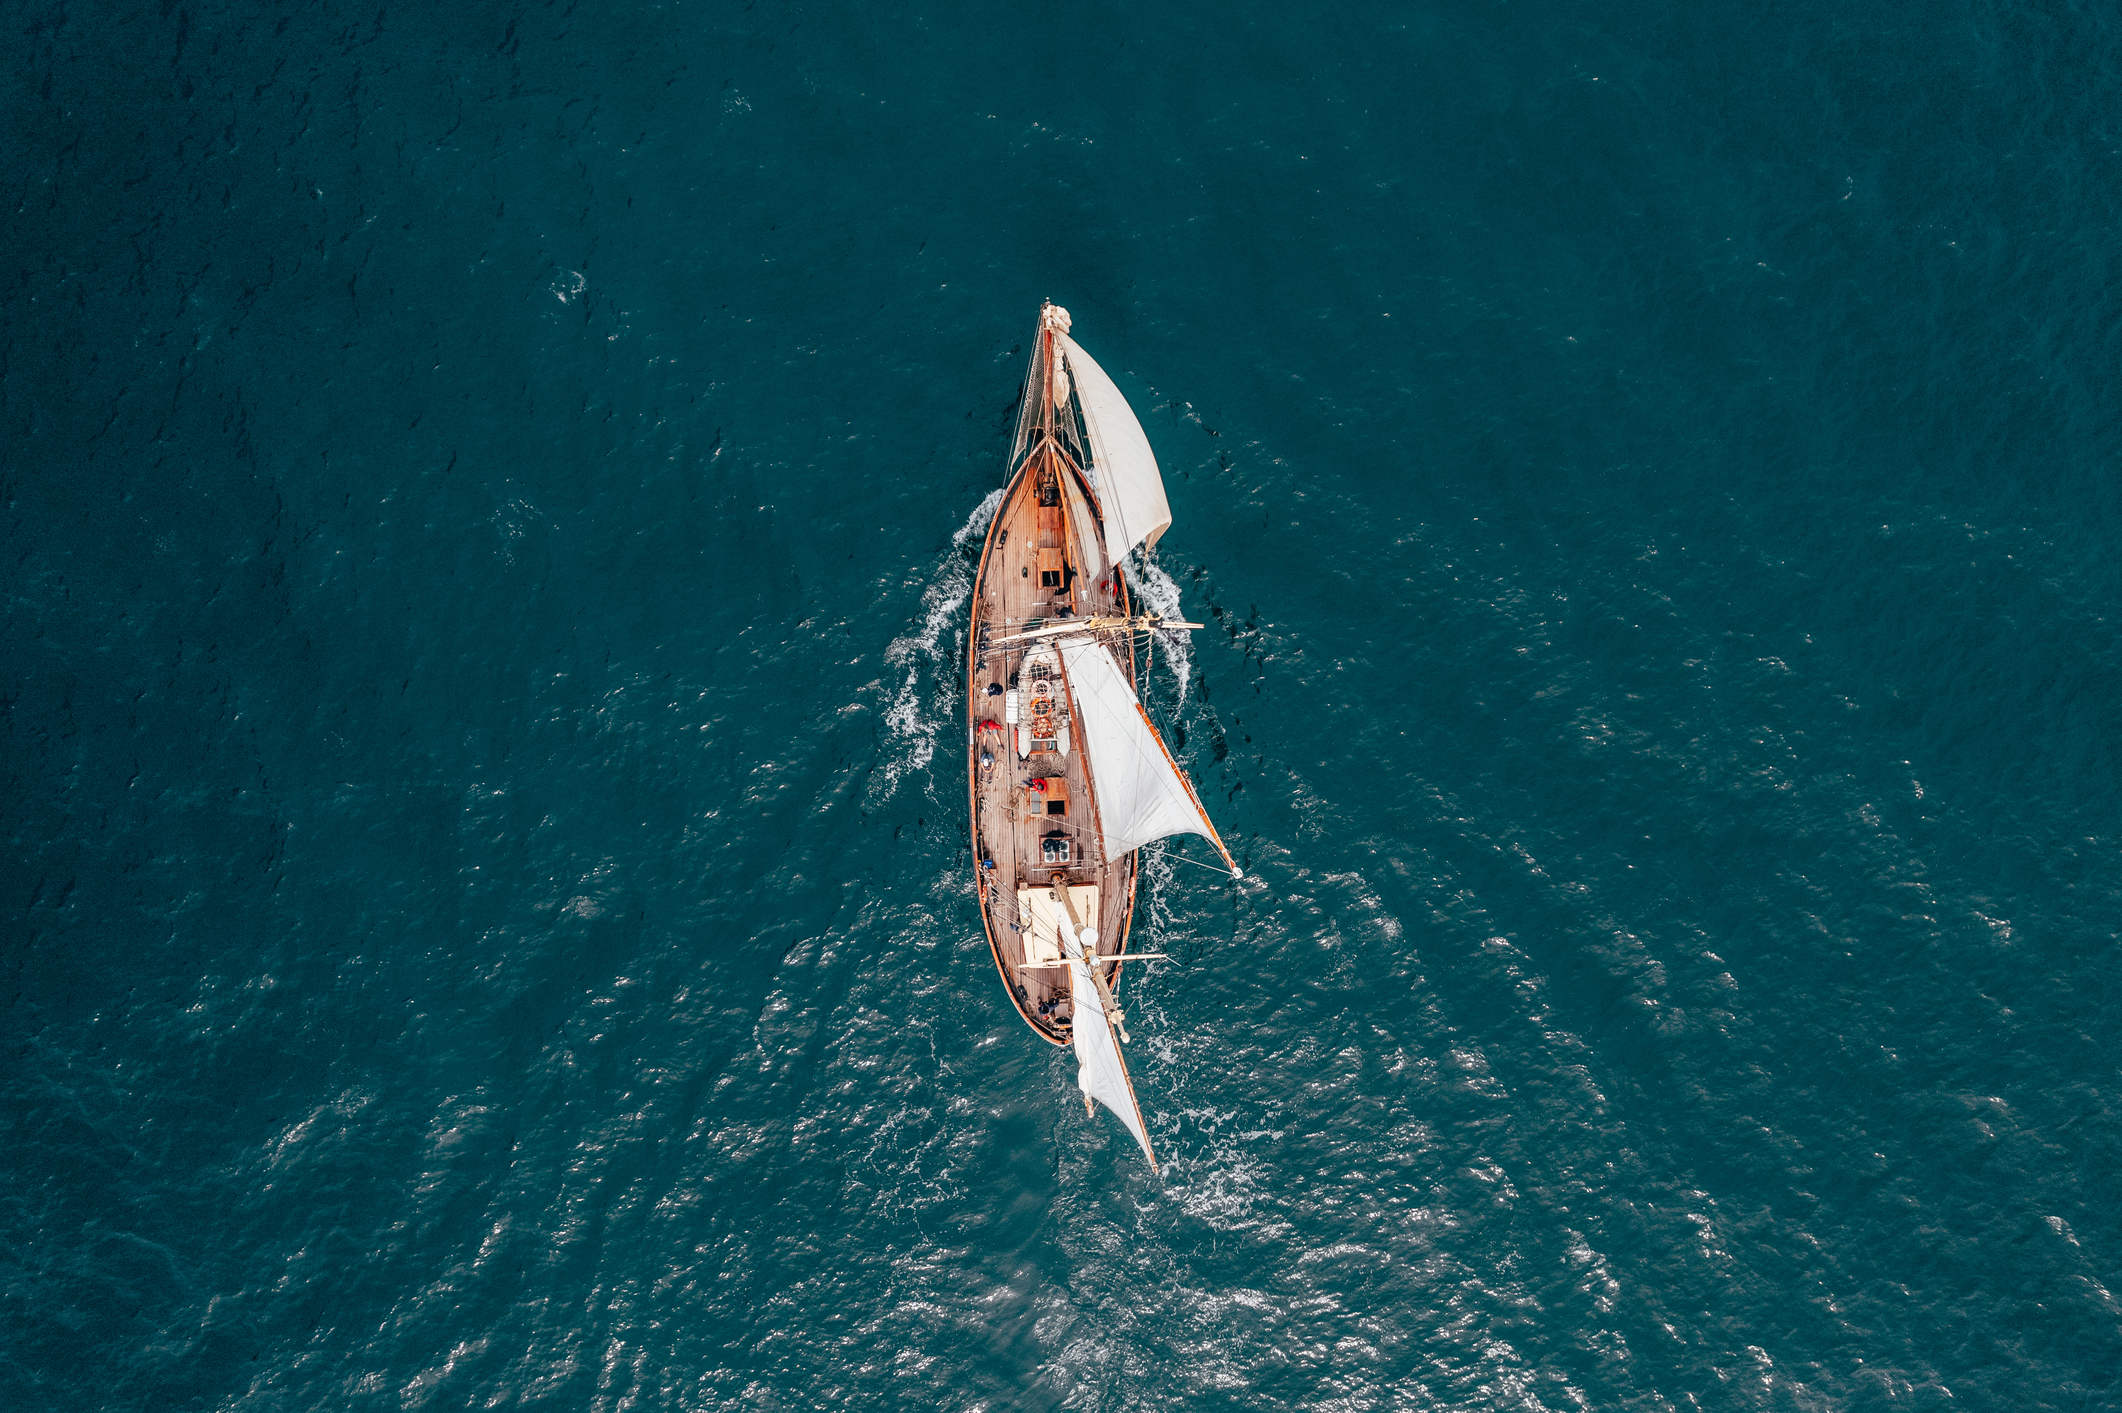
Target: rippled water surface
490, 497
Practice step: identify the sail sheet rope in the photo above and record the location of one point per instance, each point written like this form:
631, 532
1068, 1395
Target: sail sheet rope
1197, 863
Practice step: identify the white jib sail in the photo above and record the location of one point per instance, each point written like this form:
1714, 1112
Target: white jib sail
1100, 1072
1140, 793
1130, 489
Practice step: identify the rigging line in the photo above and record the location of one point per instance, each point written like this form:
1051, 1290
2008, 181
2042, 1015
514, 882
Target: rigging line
1080, 833
1182, 858
1060, 825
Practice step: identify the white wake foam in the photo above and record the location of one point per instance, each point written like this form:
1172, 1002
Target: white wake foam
1157, 589
927, 690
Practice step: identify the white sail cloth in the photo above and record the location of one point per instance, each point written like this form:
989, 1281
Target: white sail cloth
1090, 553
1130, 488
1100, 1072
1141, 795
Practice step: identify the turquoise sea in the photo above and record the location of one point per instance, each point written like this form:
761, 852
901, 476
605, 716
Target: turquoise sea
489, 498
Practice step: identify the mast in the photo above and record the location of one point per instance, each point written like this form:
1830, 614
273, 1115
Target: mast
1087, 939
1046, 371
1101, 1069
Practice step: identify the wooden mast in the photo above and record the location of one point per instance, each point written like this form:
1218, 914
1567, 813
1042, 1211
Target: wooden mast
1057, 465
1059, 893
1046, 372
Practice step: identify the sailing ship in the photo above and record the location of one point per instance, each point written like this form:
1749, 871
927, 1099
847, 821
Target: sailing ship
1069, 778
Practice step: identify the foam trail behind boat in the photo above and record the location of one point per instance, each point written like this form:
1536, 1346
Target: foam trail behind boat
927, 693
1160, 592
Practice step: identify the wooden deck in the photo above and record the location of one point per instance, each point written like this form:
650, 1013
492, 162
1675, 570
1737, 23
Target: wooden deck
1028, 546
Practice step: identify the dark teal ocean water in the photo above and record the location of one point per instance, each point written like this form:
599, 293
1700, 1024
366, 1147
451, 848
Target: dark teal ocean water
489, 496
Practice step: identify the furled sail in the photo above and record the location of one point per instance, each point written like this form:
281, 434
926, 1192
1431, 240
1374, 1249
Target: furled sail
1044, 920
1100, 1072
1130, 489
1141, 795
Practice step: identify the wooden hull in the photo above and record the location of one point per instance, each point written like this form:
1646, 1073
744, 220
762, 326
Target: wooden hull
1011, 825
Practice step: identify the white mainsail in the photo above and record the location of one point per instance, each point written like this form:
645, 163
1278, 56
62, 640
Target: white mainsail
1141, 796
1130, 489
1100, 1072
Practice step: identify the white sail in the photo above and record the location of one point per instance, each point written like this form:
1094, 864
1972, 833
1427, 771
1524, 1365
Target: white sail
1141, 795
1090, 553
1130, 489
1100, 1072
